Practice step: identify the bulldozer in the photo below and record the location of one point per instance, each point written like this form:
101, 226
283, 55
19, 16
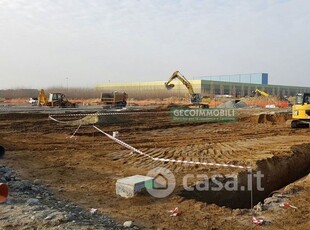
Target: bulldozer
301, 111
195, 98
54, 100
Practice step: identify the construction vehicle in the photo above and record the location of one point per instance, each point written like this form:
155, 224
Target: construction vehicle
114, 99
54, 100
301, 111
195, 98
260, 92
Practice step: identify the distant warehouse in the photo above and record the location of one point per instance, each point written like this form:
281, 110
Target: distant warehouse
235, 85
251, 78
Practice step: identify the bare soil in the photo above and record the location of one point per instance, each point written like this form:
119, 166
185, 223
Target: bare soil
84, 169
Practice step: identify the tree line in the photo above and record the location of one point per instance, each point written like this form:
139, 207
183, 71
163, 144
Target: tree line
83, 93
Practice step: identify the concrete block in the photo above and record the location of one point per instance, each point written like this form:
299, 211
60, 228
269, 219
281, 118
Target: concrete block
127, 187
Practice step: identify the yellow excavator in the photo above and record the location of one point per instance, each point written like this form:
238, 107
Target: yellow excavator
54, 100
260, 92
301, 111
195, 98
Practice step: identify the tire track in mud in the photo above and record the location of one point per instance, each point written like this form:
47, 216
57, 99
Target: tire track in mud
243, 152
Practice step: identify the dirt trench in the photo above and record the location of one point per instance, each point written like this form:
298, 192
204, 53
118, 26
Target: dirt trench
275, 173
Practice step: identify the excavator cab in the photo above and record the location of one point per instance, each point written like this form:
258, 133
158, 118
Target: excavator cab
301, 111
196, 98
56, 97
302, 98
59, 99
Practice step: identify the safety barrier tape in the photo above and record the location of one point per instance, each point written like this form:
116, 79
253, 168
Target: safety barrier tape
168, 160
52, 116
163, 159
75, 131
142, 153
62, 122
104, 114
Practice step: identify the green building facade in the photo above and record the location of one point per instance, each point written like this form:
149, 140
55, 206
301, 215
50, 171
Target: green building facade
157, 89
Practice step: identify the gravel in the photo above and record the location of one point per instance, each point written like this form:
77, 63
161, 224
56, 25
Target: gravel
31, 205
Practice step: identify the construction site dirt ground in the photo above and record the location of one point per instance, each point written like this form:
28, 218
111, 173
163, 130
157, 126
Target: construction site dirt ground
85, 168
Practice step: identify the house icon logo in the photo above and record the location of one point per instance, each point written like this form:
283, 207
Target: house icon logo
163, 182
160, 182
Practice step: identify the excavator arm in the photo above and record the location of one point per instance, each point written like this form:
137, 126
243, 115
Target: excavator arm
42, 99
185, 82
195, 97
262, 93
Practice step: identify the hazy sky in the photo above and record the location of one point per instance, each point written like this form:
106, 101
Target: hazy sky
47, 43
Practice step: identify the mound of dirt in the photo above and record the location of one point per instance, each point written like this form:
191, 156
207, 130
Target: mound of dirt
274, 118
263, 101
231, 104
269, 118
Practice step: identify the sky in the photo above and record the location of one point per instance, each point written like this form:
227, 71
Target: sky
81, 43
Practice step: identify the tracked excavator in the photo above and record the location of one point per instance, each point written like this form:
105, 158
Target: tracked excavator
301, 111
195, 98
54, 100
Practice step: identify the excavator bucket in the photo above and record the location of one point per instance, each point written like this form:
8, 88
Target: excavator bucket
4, 192
169, 86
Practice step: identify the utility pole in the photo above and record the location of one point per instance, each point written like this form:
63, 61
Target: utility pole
67, 84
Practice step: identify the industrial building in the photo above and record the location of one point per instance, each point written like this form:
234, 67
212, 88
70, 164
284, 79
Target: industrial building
235, 85
251, 78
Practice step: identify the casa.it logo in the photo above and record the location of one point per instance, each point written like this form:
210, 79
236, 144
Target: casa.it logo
163, 183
